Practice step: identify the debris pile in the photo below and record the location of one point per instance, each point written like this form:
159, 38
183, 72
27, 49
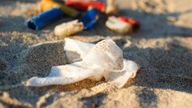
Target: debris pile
84, 13
94, 61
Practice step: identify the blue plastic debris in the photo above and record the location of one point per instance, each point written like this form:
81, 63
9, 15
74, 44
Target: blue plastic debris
44, 18
90, 18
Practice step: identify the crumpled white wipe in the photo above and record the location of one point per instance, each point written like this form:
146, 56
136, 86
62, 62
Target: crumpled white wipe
104, 59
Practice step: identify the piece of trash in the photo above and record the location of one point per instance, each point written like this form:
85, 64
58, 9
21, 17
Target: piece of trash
76, 50
117, 25
84, 6
48, 4
44, 18
45, 5
111, 7
105, 59
90, 18
72, 27
69, 28
134, 23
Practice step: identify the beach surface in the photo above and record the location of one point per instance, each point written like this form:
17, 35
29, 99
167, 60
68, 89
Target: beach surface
162, 47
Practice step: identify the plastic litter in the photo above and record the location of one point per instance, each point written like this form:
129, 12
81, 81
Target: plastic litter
48, 4
84, 6
105, 59
117, 25
78, 48
69, 28
44, 18
86, 22
45, 5
134, 23
90, 18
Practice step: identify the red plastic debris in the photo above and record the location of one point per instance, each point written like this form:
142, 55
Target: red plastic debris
134, 23
84, 6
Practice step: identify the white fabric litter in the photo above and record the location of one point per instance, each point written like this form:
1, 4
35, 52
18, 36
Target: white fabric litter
104, 59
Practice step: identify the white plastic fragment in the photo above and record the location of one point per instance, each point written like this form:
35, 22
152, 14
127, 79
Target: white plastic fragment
62, 75
117, 25
105, 59
111, 7
81, 48
129, 72
106, 55
69, 28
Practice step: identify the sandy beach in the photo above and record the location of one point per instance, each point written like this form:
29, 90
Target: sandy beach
162, 47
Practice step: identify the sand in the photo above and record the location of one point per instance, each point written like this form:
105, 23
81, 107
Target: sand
162, 47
